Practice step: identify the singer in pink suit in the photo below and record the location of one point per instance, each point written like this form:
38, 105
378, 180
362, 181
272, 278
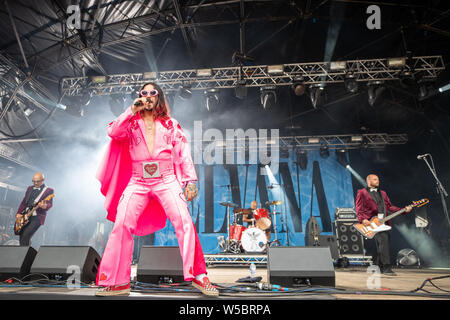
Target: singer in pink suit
147, 163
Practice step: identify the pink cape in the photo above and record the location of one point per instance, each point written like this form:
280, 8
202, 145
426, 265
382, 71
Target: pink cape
114, 174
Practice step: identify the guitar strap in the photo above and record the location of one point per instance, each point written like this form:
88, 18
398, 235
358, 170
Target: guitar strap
39, 197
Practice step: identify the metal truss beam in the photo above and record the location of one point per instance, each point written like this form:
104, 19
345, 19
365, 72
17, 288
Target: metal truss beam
423, 67
333, 142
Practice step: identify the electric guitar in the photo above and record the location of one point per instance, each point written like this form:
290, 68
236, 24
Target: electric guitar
25, 217
378, 225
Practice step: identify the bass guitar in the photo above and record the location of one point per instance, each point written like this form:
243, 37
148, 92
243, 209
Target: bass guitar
22, 220
378, 225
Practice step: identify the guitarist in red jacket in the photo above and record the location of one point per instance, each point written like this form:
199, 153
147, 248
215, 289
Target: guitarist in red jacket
370, 202
34, 195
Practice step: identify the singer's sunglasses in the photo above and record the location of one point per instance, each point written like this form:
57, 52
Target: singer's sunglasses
149, 93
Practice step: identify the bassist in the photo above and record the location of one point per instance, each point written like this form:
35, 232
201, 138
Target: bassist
33, 196
370, 202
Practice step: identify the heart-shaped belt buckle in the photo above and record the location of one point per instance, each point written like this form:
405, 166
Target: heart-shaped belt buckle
150, 170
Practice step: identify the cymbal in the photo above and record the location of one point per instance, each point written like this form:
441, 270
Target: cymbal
229, 204
242, 211
274, 203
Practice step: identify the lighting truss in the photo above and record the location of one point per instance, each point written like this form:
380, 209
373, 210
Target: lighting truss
333, 142
423, 67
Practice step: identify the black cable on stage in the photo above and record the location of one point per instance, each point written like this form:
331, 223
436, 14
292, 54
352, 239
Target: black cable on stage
431, 282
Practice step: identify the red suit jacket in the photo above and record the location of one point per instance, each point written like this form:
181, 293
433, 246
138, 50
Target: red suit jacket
41, 213
366, 207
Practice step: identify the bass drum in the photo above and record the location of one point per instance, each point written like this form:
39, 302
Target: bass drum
253, 240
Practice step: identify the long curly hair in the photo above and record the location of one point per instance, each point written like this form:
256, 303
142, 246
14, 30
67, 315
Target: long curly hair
162, 110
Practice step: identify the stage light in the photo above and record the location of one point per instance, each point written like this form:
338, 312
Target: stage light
98, 79
85, 97
275, 69
298, 86
116, 104
374, 91
149, 75
397, 62
337, 65
316, 95
313, 140
268, 96
350, 83
302, 159
185, 92
284, 153
444, 88
211, 98
28, 111
75, 110
204, 72
240, 91
324, 152
341, 156
356, 138
407, 257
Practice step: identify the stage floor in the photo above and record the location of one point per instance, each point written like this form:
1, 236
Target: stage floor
351, 283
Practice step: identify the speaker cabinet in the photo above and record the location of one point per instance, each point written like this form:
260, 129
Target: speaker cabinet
15, 261
350, 242
296, 266
159, 264
60, 262
330, 242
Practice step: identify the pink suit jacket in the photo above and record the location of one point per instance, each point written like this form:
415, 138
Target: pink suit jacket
367, 208
115, 169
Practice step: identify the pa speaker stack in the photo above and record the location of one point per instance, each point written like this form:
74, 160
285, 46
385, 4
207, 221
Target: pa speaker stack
297, 266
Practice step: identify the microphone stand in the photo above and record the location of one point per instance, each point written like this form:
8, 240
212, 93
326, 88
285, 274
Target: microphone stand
440, 188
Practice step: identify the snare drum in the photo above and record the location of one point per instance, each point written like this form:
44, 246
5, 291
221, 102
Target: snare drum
236, 232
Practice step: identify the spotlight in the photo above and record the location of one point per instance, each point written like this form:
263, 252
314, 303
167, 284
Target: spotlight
284, 153
341, 156
324, 152
316, 95
211, 98
298, 86
374, 91
85, 97
28, 111
302, 159
407, 257
350, 83
185, 92
268, 96
240, 90
426, 90
116, 104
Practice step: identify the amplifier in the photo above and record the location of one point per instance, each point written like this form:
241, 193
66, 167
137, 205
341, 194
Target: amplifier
345, 214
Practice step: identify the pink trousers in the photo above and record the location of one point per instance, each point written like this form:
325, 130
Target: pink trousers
115, 266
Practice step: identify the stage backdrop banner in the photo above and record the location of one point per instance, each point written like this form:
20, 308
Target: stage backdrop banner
317, 191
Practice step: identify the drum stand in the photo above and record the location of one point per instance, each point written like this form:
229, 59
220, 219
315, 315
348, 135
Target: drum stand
275, 242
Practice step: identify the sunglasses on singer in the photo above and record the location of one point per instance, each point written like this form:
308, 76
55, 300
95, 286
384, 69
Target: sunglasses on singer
148, 93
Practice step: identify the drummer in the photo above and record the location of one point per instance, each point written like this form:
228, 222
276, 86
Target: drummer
249, 218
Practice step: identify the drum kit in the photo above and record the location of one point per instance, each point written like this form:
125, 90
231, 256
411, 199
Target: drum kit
253, 238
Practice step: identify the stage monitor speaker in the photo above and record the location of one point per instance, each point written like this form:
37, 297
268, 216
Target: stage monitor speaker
330, 242
15, 261
298, 266
158, 264
60, 262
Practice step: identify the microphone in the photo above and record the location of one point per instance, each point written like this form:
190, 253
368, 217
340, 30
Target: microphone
140, 103
420, 156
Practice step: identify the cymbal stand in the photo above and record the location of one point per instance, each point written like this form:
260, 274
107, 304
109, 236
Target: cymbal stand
275, 229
